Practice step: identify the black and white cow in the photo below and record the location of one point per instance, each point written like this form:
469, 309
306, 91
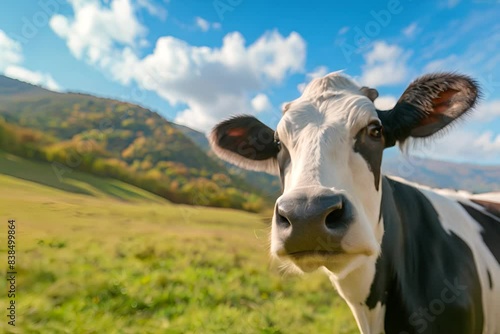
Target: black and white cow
405, 258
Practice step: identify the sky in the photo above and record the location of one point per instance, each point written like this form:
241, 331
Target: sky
199, 62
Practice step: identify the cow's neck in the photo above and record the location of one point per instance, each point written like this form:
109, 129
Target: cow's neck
355, 288
362, 288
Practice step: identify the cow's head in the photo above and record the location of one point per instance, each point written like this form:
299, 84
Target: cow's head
327, 150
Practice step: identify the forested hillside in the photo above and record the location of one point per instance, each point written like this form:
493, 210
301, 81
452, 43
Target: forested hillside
117, 139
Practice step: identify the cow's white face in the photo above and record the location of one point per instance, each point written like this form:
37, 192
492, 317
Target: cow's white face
327, 150
330, 147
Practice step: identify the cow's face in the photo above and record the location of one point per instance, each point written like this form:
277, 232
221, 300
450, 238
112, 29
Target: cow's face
327, 149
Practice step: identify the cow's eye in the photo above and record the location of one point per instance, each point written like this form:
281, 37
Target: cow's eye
277, 141
278, 144
375, 130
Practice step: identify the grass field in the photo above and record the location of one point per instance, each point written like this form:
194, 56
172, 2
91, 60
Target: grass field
115, 259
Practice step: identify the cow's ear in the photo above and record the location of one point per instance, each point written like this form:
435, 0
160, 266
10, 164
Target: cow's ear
246, 142
370, 93
428, 105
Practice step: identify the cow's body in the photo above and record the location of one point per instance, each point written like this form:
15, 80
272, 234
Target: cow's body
436, 272
406, 259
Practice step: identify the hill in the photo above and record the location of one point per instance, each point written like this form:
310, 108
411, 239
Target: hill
119, 140
10, 86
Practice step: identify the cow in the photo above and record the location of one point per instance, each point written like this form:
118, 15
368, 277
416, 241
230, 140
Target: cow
405, 258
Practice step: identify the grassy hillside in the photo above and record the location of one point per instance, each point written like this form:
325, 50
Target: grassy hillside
73, 180
125, 264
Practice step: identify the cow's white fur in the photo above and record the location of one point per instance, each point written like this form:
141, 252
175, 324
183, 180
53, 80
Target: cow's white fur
355, 288
319, 131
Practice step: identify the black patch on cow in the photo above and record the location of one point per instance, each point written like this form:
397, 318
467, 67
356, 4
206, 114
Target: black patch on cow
490, 281
396, 122
402, 122
371, 150
491, 229
420, 263
247, 137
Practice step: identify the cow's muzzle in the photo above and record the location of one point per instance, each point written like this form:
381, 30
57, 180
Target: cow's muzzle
312, 221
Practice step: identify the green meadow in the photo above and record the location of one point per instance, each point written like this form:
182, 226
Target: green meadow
96, 255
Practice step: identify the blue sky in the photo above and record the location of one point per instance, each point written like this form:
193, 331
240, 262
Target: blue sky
197, 62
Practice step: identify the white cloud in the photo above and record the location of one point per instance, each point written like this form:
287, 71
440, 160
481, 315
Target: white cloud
233, 68
10, 51
203, 116
276, 56
410, 30
343, 30
96, 30
11, 58
205, 26
318, 72
213, 82
33, 77
441, 64
385, 65
466, 145
385, 102
488, 142
261, 103
486, 111
451, 3
153, 9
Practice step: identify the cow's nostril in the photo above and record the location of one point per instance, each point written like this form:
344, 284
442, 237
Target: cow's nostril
333, 218
282, 221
